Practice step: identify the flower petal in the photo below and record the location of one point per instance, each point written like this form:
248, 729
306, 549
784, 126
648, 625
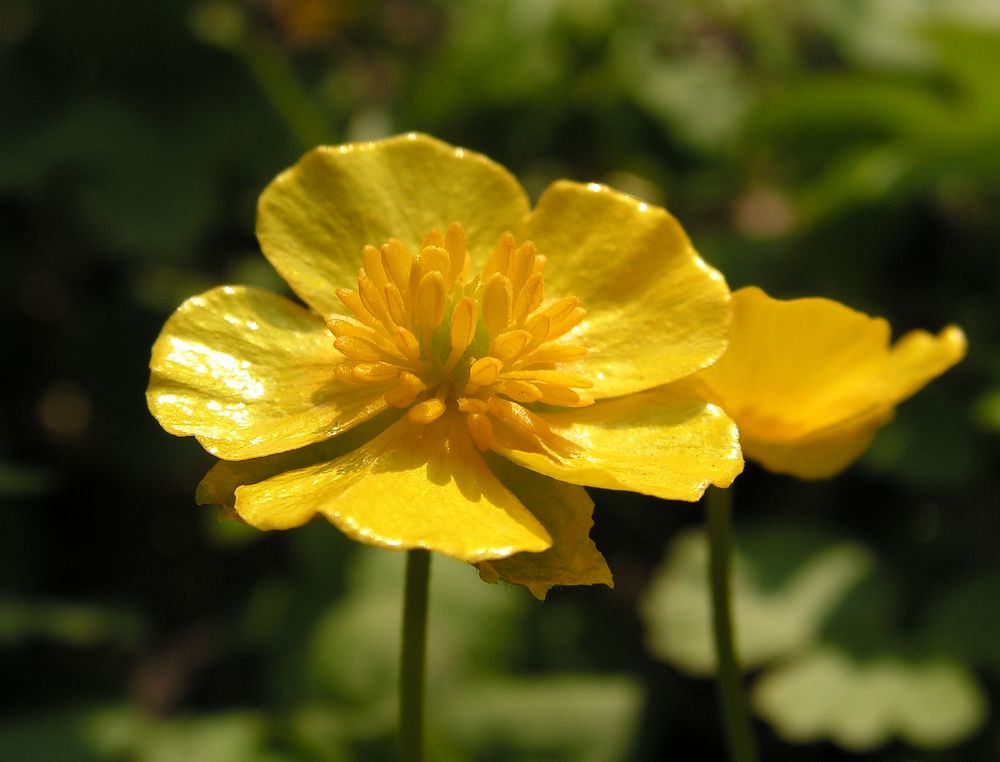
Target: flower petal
809, 381
655, 311
412, 486
663, 442
565, 510
820, 454
917, 358
795, 366
219, 485
314, 219
249, 373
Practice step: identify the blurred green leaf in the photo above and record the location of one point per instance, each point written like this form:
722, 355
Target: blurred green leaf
571, 717
472, 623
71, 623
786, 583
23, 481
811, 612
826, 695
120, 732
228, 737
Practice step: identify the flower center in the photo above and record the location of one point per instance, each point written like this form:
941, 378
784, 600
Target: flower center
483, 348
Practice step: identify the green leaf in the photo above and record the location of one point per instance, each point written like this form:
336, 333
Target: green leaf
73, 624
786, 583
827, 695
471, 624
590, 719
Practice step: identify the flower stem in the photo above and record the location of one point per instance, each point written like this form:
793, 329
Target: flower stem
412, 656
739, 736
280, 84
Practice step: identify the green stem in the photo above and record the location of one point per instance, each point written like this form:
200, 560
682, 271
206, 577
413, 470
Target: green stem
412, 657
281, 85
739, 736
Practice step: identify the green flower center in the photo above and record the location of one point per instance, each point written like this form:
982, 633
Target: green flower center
482, 348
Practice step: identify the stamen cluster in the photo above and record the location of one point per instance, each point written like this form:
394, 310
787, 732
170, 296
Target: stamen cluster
483, 347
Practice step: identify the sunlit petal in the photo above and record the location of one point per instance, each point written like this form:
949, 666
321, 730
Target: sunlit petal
565, 511
655, 311
249, 374
809, 381
412, 486
219, 485
314, 219
662, 442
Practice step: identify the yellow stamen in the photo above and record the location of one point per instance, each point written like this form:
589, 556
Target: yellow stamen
405, 391
481, 431
407, 344
496, 298
426, 411
372, 259
500, 258
375, 373
397, 307
520, 265
482, 372
352, 300
528, 299
436, 258
553, 394
372, 299
463, 329
396, 261
413, 333
472, 405
358, 349
509, 344
429, 307
433, 238
521, 391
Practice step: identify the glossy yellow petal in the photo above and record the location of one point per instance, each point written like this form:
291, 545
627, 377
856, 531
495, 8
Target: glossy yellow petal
314, 219
412, 486
219, 485
565, 510
249, 374
787, 361
662, 442
917, 358
819, 454
809, 381
655, 311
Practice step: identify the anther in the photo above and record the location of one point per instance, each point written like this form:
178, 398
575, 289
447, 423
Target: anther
426, 411
358, 349
482, 372
496, 300
428, 310
463, 329
481, 430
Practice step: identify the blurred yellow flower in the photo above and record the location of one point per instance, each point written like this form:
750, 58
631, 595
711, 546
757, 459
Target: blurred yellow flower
452, 394
810, 381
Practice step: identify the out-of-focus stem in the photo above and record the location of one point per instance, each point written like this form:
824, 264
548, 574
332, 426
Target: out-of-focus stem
739, 736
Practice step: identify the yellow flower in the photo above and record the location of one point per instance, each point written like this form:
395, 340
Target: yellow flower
810, 381
454, 393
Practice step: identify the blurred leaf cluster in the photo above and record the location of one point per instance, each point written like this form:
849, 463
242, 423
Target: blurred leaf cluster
843, 149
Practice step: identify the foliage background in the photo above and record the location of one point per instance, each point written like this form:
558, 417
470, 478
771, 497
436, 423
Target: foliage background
844, 149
